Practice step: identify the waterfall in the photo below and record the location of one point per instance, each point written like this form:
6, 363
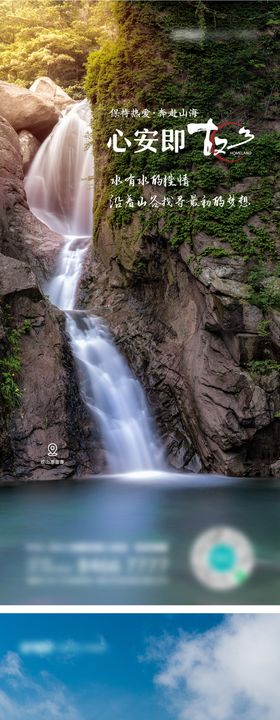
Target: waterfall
112, 396
57, 186
60, 194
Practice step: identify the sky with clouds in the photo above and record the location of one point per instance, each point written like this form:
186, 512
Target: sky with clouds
115, 667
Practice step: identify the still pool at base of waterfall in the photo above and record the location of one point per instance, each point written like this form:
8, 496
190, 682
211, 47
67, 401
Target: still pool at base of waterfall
123, 539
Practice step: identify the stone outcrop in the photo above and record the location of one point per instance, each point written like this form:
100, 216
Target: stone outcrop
39, 398
28, 147
41, 416
21, 234
26, 110
48, 90
190, 344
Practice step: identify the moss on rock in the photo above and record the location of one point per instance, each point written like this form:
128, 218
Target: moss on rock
232, 76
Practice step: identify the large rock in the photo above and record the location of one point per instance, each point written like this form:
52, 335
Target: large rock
48, 90
41, 417
15, 276
28, 147
26, 110
49, 410
21, 234
190, 345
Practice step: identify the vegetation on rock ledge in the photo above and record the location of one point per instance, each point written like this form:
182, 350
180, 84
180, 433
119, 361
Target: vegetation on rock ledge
10, 363
233, 78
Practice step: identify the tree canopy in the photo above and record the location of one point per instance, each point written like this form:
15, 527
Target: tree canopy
51, 38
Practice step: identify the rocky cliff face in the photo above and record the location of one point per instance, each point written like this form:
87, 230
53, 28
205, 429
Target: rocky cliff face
191, 348
191, 345
194, 297
39, 400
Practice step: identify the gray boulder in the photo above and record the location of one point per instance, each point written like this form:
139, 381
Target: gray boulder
26, 110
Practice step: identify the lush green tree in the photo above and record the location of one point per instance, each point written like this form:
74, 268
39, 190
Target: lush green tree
51, 38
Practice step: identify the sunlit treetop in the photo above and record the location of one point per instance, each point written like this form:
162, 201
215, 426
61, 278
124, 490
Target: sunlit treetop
54, 42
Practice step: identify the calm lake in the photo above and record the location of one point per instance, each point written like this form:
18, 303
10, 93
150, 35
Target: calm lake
130, 539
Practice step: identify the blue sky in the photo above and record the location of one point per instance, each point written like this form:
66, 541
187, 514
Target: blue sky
110, 683
139, 667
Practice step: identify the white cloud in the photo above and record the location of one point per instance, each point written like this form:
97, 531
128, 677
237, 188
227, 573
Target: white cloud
6, 706
23, 697
227, 673
10, 666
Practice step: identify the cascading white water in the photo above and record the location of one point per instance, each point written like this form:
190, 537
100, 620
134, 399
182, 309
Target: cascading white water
113, 396
60, 195
57, 185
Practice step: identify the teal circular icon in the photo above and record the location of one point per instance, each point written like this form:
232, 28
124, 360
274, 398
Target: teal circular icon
222, 557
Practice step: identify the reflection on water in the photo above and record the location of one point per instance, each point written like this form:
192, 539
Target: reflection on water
129, 540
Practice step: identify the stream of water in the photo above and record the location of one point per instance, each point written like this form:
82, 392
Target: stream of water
60, 193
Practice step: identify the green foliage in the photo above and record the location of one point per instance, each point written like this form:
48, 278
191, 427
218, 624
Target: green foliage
52, 37
265, 298
178, 226
207, 176
263, 328
10, 390
237, 80
10, 364
265, 289
256, 276
230, 226
263, 367
215, 252
200, 12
